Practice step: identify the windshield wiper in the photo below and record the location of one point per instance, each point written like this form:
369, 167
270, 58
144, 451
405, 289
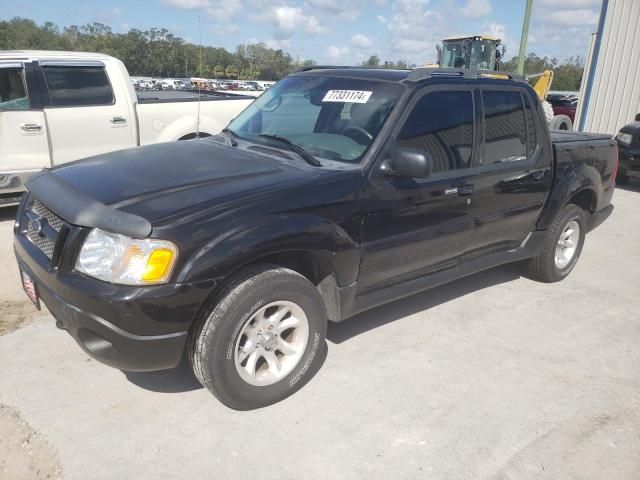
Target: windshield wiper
231, 135
306, 156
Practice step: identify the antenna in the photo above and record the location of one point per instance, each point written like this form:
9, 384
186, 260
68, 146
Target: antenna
200, 75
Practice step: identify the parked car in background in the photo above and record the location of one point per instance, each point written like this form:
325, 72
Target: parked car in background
629, 151
337, 191
564, 104
57, 107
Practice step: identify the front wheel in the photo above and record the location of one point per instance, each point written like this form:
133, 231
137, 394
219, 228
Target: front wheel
562, 246
262, 341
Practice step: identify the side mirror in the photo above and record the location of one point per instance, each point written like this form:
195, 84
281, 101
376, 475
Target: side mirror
638, 117
410, 162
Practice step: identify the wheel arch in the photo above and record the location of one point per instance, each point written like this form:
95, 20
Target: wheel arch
582, 187
315, 248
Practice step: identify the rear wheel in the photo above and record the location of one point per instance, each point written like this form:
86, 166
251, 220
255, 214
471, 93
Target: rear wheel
262, 341
562, 246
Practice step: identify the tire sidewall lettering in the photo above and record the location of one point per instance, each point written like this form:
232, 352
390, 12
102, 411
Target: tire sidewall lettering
236, 331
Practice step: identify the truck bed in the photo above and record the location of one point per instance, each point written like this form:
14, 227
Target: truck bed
169, 96
563, 136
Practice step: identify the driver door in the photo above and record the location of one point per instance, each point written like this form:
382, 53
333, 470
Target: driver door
417, 226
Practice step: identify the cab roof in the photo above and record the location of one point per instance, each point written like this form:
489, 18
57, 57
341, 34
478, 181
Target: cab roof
477, 37
408, 76
51, 54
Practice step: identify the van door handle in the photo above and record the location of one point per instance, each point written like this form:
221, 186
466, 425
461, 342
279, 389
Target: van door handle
31, 127
118, 121
465, 190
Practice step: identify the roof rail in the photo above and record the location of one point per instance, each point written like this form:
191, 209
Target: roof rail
425, 73
326, 67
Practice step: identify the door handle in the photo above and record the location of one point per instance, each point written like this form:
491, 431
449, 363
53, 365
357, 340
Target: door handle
465, 190
118, 120
31, 127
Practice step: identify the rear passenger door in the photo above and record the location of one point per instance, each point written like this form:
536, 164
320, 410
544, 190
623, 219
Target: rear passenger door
85, 115
23, 131
513, 171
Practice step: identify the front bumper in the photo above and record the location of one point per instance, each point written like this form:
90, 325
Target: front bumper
129, 328
629, 162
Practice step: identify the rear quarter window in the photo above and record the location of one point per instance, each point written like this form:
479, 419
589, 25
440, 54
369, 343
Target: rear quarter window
78, 86
505, 127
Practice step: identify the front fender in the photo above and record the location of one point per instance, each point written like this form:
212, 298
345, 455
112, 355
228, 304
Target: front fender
250, 241
574, 181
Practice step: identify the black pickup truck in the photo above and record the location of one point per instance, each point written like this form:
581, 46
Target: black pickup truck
336, 191
629, 151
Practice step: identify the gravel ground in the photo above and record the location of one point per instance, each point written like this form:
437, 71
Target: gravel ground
492, 376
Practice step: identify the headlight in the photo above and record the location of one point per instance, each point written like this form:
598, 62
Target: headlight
119, 259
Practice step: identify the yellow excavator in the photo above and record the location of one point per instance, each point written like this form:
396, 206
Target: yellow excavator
476, 52
482, 52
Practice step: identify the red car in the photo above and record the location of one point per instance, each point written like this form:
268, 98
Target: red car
563, 104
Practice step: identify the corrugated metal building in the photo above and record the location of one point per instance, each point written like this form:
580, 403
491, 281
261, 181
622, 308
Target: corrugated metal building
610, 92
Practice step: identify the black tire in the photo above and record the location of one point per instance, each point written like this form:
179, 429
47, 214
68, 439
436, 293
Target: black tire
543, 267
213, 342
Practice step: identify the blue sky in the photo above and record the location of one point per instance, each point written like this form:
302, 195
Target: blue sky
336, 31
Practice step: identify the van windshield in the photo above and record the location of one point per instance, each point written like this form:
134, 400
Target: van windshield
330, 117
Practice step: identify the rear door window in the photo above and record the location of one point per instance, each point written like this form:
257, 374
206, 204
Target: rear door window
72, 86
13, 94
505, 127
441, 123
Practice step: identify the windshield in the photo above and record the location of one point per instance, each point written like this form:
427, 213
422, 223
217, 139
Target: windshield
330, 117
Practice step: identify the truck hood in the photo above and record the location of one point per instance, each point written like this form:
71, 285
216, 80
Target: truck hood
158, 180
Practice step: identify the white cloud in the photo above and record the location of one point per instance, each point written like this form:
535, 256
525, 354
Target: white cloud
476, 8
361, 41
571, 4
219, 11
338, 53
573, 18
414, 30
494, 29
562, 28
382, 19
344, 9
288, 20
187, 3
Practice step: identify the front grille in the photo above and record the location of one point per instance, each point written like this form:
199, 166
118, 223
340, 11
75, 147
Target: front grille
36, 218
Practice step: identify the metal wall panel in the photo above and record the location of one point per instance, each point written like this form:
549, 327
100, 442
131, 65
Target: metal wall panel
610, 93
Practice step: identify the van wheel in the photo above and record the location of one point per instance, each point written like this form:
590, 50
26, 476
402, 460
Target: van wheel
262, 340
562, 246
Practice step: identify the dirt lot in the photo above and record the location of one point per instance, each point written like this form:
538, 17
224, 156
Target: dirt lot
493, 376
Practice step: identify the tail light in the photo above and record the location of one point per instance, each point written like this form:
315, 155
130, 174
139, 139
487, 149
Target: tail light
615, 168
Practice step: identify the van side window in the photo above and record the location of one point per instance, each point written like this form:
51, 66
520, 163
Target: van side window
441, 123
13, 95
78, 86
505, 128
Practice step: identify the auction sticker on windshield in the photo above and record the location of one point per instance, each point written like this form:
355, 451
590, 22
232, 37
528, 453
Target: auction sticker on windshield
347, 96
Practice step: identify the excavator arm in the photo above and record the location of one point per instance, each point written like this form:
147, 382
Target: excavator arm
543, 85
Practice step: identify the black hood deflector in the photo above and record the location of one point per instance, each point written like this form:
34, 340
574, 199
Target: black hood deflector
79, 208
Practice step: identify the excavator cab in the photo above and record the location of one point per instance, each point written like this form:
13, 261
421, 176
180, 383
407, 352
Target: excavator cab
475, 53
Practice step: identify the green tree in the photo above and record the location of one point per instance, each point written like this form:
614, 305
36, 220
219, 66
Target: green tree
231, 72
218, 71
